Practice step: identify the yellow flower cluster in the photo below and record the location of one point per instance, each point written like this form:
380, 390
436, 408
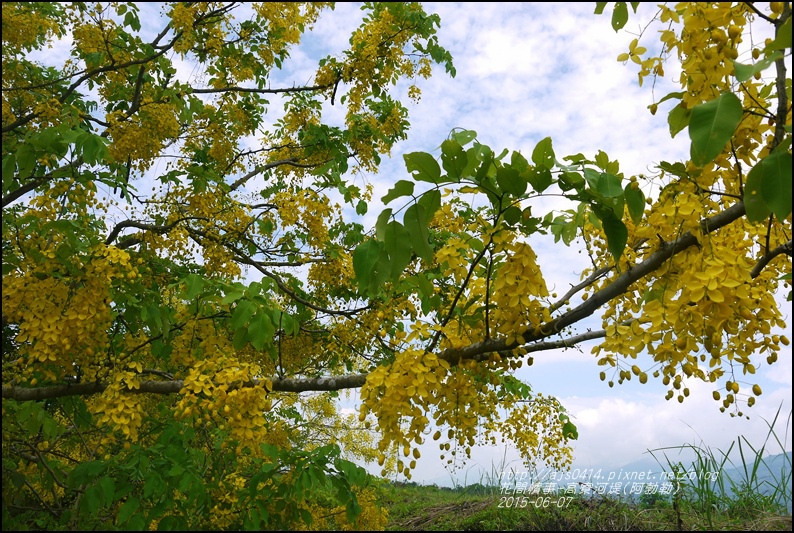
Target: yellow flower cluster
694, 319
143, 136
284, 23
535, 429
373, 517
63, 320
208, 216
309, 212
706, 43
516, 289
212, 387
418, 385
24, 27
225, 511
119, 408
697, 323
211, 35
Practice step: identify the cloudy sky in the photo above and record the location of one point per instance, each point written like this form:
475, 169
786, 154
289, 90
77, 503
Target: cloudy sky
526, 71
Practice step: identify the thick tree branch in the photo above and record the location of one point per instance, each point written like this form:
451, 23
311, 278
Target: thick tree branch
611, 291
140, 225
172, 386
476, 351
25, 394
24, 189
771, 254
261, 91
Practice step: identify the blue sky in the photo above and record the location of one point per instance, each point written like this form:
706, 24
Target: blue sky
527, 71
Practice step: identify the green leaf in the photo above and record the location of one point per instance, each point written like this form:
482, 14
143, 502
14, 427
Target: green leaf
425, 285
474, 157
676, 169
108, 486
711, 126
261, 330
85, 472
361, 208
464, 137
137, 523
609, 185
380, 225
512, 214
26, 159
569, 430
126, 510
620, 16
365, 257
519, 162
398, 246
617, 236
431, 201
678, 119
776, 183
193, 286
509, 181
679, 95
540, 178
234, 293
423, 166
94, 148
768, 188
9, 168
353, 509
600, 7
243, 312
745, 72
416, 222
571, 180
593, 177
172, 523
401, 188
91, 500
485, 155
782, 38
131, 19
453, 159
543, 154
635, 200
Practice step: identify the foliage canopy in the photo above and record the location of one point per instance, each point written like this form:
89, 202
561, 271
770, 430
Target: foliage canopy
148, 382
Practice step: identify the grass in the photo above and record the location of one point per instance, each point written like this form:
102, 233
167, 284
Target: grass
751, 501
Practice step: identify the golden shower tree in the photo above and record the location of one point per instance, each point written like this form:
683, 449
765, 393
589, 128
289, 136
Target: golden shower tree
148, 381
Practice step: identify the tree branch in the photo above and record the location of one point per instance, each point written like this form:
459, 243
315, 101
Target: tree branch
261, 91
259, 169
611, 291
477, 351
771, 254
172, 386
26, 394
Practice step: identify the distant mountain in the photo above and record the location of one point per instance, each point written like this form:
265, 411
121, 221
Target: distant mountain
766, 478
647, 475
772, 473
